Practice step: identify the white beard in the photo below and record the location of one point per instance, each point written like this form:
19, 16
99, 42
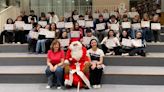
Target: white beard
76, 51
77, 54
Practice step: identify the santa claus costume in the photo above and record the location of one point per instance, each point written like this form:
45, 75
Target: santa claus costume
77, 71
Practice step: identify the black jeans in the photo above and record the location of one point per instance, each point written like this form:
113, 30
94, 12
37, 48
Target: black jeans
156, 35
32, 45
48, 44
95, 76
140, 51
20, 37
9, 36
106, 50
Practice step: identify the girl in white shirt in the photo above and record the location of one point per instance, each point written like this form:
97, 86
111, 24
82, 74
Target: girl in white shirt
110, 44
96, 70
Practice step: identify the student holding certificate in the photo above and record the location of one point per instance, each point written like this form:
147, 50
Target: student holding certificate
111, 44
54, 29
43, 17
145, 24
19, 33
76, 33
8, 32
89, 36
32, 38
126, 44
156, 32
54, 18
24, 16
100, 26
125, 19
32, 15
138, 46
113, 24
136, 26
42, 40
64, 35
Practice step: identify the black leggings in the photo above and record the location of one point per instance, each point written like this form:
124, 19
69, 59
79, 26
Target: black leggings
95, 76
115, 49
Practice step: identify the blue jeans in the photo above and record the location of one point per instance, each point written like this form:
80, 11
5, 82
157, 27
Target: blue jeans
41, 44
147, 34
55, 78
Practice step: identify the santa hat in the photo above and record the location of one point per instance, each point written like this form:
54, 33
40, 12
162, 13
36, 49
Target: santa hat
71, 47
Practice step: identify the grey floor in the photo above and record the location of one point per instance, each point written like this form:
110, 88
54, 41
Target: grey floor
105, 88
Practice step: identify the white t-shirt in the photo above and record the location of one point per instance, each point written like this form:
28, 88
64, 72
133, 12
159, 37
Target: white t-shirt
95, 55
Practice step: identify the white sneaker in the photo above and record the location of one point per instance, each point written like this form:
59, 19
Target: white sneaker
59, 87
110, 53
95, 86
158, 42
18, 43
48, 87
125, 54
98, 86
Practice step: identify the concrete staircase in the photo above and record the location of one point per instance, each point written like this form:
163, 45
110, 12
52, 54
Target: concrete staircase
17, 66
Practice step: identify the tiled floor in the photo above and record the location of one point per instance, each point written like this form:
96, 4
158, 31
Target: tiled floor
105, 88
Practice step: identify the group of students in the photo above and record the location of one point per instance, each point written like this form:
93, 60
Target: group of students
56, 70
112, 38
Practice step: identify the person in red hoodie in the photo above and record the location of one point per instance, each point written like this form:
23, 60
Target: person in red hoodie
76, 33
77, 65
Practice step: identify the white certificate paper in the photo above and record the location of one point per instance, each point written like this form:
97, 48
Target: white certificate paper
75, 34
68, 25
100, 26
86, 40
126, 42
33, 34
60, 25
137, 43
9, 26
89, 24
50, 34
42, 23
81, 23
145, 24
28, 27
64, 42
155, 26
136, 26
126, 25
19, 24
114, 26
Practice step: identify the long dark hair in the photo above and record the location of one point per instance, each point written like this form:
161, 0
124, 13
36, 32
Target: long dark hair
90, 46
7, 22
121, 36
114, 34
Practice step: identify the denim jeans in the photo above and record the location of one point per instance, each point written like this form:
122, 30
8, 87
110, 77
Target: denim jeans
41, 45
147, 34
55, 78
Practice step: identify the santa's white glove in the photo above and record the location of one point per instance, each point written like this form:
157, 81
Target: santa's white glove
66, 62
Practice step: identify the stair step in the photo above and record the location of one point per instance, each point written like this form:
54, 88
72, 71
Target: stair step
152, 59
17, 48
25, 59
19, 59
40, 87
138, 75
